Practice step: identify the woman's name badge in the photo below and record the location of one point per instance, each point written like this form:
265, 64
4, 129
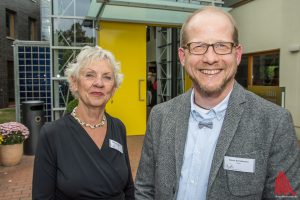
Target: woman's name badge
115, 145
239, 164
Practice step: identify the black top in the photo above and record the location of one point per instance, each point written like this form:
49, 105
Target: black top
69, 165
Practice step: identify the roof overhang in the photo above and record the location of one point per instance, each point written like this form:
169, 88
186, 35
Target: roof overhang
150, 12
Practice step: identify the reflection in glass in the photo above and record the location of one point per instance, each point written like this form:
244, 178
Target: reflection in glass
71, 7
266, 69
71, 32
61, 58
64, 93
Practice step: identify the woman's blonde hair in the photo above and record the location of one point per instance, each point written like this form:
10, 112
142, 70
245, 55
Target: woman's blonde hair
87, 55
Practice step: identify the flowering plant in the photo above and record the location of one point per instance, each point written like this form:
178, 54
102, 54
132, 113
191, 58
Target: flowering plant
13, 133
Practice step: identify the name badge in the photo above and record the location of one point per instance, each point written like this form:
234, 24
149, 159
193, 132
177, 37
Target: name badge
115, 145
239, 164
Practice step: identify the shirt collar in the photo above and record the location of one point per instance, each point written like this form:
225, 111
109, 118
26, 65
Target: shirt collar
216, 112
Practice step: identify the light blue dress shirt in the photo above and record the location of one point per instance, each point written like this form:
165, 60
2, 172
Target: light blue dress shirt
199, 150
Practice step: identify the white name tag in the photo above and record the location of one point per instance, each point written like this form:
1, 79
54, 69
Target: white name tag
239, 164
115, 145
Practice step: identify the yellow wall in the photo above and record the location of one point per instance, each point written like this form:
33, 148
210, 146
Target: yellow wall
127, 42
187, 82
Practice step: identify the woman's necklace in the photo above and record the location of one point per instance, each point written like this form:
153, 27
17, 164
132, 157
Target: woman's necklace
87, 124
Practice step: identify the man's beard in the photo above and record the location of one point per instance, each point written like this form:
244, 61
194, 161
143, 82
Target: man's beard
205, 91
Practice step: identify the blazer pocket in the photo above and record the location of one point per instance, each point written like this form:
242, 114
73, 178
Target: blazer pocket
246, 183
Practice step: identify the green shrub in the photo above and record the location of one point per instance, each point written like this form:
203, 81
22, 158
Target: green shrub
71, 105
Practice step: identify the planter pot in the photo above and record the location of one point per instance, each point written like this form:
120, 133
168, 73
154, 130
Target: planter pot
11, 155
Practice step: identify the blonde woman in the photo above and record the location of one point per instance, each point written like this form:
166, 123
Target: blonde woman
84, 154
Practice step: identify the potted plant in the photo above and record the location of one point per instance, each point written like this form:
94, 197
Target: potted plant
12, 136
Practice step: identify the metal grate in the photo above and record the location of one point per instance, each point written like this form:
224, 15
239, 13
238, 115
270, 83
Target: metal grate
32, 75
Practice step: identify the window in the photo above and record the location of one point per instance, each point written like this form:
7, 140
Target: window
10, 23
261, 69
266, 69
32, 29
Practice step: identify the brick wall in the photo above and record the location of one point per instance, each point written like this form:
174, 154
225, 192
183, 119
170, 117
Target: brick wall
23, 9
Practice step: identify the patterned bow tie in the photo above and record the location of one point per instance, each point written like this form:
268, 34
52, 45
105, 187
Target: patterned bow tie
202, 124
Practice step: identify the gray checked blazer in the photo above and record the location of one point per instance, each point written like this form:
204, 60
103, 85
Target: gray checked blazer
252, 128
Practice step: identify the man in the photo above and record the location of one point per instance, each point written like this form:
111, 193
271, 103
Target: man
218, 140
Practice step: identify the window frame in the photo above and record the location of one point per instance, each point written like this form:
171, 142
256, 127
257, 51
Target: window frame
10, 17
32, 29
250, 57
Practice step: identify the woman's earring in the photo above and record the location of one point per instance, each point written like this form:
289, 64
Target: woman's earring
111, 100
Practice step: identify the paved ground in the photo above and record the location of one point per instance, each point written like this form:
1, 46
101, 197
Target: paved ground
15, 182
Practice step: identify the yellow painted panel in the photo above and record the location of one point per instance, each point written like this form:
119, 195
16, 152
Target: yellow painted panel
127, 42
187, 82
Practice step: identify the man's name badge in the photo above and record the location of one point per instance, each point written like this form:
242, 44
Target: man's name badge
239, 164
115, 145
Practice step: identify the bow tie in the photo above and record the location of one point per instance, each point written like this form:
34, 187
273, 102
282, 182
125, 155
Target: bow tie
202, 124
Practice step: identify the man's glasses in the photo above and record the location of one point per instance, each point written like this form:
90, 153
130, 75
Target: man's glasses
200, 48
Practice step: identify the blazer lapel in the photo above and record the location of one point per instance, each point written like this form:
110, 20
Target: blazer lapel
233, 115
182, 121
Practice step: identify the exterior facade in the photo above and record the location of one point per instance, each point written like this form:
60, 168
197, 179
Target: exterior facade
270, 39
75, 23
273, 26
20, 20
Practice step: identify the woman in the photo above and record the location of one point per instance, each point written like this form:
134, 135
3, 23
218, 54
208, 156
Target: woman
84, 154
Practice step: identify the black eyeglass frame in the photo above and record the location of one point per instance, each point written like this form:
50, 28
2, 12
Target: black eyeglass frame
188, 46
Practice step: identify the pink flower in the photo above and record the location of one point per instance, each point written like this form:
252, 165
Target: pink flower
13, 132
